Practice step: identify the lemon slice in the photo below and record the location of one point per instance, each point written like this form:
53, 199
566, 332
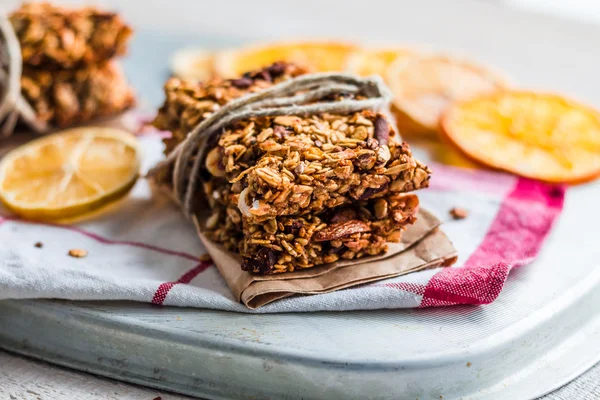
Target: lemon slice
424, 87
540, 136
368, 62
317, 56
70, 173
192, 64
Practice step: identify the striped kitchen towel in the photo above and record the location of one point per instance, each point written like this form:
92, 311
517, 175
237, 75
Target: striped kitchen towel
145, 251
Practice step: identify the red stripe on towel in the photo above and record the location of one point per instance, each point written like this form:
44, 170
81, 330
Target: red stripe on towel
163, 290
105, 240
514, 238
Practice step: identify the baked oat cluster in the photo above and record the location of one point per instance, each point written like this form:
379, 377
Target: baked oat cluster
69, 72
53, 37
68, 97
188, 103
293, 192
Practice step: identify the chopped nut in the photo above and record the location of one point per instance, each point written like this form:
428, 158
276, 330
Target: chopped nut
286, 121
459, 213
78, 253
341, 230
214, 162
382, 131
381, 208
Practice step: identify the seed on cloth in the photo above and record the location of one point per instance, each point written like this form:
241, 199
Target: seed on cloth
78, 253
459, 213
39, 245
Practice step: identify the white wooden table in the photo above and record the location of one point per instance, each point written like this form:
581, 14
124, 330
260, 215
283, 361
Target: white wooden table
375, 20
24, 379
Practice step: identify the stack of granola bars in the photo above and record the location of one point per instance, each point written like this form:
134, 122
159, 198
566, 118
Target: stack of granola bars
69, 74
293, 192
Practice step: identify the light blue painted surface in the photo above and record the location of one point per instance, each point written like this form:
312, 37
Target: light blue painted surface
534, 338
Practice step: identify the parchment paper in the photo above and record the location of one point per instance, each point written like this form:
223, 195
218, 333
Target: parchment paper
423, 246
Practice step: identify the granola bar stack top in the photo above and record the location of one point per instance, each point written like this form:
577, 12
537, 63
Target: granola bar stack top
294, 191
69, 73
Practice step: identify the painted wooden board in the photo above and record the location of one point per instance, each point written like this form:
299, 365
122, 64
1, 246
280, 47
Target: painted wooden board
527, 343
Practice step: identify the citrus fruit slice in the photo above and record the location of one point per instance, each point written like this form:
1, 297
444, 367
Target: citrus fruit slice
193, 64
368, 62
317, 56
424, 86
70, 173
540, 136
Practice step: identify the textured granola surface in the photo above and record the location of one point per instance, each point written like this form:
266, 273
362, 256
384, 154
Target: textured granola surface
285, 244
292, 192
189, 103
363, 229
297, 165
68, 97
54, 37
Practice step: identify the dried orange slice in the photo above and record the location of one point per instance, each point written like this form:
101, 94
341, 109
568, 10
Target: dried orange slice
368, 62
318, 56
424, 87
193, 64
540, 136
70, 173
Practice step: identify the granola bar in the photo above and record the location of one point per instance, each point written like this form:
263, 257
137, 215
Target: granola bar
285, 244
293, 191
299, 165
188, 104
66, 97
53, 37
293, 165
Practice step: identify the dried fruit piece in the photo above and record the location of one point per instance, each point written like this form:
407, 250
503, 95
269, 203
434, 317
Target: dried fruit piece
424, 87
540, 136
70, 173
318, 56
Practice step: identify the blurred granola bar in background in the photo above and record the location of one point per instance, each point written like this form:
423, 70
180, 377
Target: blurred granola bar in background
67, 97
53, 37
70, 75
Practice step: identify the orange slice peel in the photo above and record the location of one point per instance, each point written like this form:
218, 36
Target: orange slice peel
424, 86
366, 62
317, 56
539, 136
193, 64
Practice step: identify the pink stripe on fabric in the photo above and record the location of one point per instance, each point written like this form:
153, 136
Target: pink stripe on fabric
104, 240
164, 288
477, 180
515, 237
